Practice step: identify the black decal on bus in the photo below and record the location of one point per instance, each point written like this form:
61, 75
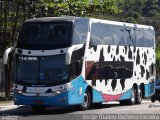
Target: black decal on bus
109, 48
117, 50
109, 70
142, 70
122, 82
130, 53
147, 74
138, 58
145, 58
101, 55
113, 84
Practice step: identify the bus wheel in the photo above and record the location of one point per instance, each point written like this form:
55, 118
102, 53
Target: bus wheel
132, 101
97, 105
38, 108
123, 102
139, 96
152, 100
87, 101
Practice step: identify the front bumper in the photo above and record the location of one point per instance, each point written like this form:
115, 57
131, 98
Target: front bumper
57, 100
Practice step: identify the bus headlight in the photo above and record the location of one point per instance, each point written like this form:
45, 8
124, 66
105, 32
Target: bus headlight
59, 92
67, 87
18, 91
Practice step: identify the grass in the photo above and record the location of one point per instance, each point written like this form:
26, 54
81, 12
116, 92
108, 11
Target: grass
5, 102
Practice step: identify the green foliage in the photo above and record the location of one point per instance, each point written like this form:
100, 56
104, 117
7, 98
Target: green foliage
152, 13
130, 20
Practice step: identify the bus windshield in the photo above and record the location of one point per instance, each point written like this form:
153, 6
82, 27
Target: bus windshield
41, 70
45, 35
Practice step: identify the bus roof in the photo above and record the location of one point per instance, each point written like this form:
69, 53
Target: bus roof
72, 18
50, 19
122, 23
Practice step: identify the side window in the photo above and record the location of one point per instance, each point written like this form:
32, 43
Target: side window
107, 34
34, 33
113, 35
122, 37
140, 38
133, 36
118, 35
149, 37
129, 34
96, 34
80, 31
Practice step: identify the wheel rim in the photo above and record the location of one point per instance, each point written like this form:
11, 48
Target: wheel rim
133, 97
140, 95
86, 100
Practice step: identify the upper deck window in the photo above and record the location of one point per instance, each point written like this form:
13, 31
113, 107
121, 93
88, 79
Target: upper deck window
108, 34
45, 35
80, 31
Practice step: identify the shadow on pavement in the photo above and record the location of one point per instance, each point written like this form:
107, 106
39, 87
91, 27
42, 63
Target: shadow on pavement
27, 111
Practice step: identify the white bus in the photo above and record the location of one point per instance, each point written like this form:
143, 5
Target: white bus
63, 61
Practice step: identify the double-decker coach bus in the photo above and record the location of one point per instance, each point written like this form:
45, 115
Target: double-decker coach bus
63, 61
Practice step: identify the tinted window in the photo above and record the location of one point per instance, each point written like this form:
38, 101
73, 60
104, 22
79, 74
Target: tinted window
149, 37
107, 34
96, 34
140, 38
130, 36
118, 35
48, 69
103, 34
80, 31
26, 69
133, 36
109, 70
45, 35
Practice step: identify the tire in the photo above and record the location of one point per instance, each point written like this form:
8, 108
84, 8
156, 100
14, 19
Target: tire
86, 104
97, 105
38, 109
139, 96
132, 101
152, 100
123, 102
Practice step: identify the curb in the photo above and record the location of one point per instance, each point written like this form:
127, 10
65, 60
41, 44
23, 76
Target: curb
8, 107
12, 106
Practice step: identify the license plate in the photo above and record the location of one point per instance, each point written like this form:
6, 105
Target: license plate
35, 90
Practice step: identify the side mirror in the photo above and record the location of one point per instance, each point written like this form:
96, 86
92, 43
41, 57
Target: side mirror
70, 52
6, 53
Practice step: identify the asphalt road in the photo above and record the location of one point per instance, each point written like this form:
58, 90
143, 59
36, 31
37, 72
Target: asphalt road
112, 110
